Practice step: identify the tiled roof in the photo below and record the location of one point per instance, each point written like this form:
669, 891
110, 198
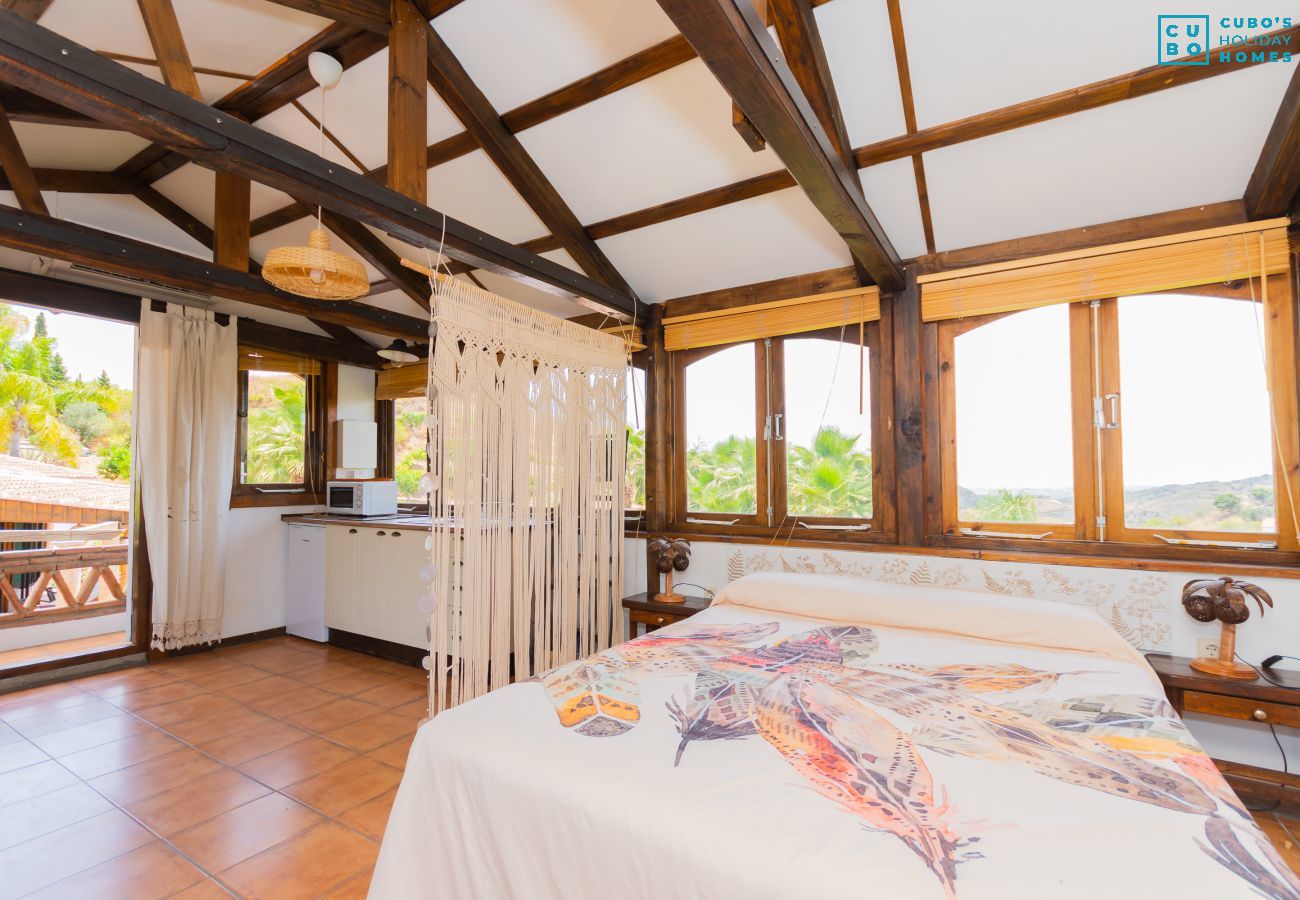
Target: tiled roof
37, 482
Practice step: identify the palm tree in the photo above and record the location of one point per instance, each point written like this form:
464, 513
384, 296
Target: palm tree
830, 478
634, 485
276, 438
29, 404
722, 478
1003, 505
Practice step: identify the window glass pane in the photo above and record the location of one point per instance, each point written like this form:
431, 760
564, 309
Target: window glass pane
1014, 447
1194, 413
276, 428
827, 441
634, 483
720, 438
410, 456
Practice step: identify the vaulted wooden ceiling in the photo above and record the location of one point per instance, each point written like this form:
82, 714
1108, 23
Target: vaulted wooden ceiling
600, 136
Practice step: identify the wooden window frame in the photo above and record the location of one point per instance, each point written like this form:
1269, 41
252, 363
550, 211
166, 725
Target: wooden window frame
769, 382
1085, 535
634, 520
321, 396
386, 416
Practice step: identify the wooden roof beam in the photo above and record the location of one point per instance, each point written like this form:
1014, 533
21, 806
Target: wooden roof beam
46, 236
22, 181
380, 255
169, 46
408, 90
736, 47
371, 15
25, 107
28, 9
469, 104
54, 67
1274, 186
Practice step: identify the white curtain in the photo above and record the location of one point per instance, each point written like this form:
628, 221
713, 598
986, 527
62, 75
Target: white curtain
185, 435
527, 434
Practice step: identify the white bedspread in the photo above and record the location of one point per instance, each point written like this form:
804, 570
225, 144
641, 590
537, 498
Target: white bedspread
817, 736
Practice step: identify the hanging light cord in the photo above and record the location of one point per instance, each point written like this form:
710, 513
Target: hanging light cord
320, 146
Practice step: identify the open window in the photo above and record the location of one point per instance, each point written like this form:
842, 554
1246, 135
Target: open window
280, 459
1159, 417
402, 410
782, 434
634, 467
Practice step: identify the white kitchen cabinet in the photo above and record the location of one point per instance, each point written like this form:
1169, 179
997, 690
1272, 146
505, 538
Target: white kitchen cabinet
305, 590
373, 582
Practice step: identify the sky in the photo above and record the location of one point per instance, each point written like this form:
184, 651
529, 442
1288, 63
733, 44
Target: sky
90, 345
1013, 395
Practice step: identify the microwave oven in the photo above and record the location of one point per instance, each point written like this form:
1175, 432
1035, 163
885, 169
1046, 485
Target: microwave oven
361, 498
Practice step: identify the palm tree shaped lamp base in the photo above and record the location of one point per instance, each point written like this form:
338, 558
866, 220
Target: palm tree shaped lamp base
1224, 599
670, 556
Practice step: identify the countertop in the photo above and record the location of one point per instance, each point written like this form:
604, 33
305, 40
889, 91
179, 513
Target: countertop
414, 522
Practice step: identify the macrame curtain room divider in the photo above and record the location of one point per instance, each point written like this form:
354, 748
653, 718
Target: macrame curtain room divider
527, 438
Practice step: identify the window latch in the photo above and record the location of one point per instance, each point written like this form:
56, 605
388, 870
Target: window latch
1104, 422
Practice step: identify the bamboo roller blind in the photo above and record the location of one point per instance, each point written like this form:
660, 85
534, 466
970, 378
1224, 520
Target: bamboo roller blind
1159, 264
400, 382
773, 319
256, 359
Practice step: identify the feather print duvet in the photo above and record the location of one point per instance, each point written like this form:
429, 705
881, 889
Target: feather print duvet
819, 736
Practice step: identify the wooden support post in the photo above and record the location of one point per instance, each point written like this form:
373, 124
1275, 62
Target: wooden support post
658, 440
230, 236
169, 46
22, 181
408, 49
909, 391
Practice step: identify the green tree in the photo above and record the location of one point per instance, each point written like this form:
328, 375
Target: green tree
87, 419
1003, 505
830, 478
721, 478
634, 486
29, 403
276, 435
1227, 503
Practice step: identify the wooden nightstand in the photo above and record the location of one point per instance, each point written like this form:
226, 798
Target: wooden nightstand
1190, 691
642, 610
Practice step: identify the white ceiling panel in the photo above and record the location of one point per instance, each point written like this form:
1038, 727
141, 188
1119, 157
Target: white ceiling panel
125, 215
890, 189
65, 147
540, 45
286, 122
659, 140
754, 240
1141, 156
241, 36
967, 58
356, 112
473, 190
860, 54
193, 188
516, 290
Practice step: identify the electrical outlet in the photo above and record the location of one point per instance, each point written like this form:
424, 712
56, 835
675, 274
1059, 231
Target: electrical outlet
1207, 647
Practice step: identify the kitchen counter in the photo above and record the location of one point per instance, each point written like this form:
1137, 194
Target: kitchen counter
416, 521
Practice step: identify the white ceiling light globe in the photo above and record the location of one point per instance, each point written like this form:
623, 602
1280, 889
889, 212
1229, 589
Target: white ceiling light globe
325, 69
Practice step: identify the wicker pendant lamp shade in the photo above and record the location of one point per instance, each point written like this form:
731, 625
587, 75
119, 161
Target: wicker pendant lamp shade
316, 271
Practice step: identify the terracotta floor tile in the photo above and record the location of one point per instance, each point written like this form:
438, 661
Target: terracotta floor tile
280, 661
33, 780
48, 812
345, 786
122, 682
204, 890
184, 710
354, 682
48, 722
1282, 839
20, 754
116, 755
416, 709
135, 701
300, 699
304, 866
196, 801
355, 888
395, 753
154, 776
373, 732
266, 686
394, 669
92, 734
393, 694
42, 861
41, 700
297, 761
217, 725
152, 872
253, 742
370, 818
236, 675
196, 664
334, 714
234, 836
320, 669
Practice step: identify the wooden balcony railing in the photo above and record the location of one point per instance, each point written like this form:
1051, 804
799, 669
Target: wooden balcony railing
82, 572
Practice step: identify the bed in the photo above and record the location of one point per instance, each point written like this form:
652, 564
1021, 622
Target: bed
821, 736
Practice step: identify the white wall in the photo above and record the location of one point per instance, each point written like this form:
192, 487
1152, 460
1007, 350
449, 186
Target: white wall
1144, 606
356, 402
